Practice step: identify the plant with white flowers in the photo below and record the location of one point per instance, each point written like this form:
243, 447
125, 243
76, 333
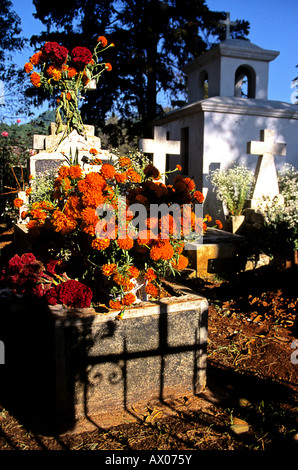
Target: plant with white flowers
232, 187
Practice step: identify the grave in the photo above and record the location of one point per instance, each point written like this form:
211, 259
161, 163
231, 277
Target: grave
85, 364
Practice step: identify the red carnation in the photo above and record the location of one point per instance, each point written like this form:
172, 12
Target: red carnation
53, 51
81, 57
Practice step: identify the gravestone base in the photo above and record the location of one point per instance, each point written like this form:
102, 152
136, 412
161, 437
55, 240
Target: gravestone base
66, 365
220, 253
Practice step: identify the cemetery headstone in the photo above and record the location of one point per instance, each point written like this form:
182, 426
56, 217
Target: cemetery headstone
266, 183
160, 147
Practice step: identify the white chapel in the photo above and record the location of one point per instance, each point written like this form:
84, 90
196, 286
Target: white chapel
228, 108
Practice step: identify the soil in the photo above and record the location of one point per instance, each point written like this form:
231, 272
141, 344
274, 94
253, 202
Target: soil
250, 401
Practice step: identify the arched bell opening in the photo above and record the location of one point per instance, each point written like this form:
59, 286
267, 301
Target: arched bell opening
245, 82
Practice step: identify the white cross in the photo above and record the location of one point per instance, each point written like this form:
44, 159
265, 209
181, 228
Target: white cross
266, 175
228, 23
160, 147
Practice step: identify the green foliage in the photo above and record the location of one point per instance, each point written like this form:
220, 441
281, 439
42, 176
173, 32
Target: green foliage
42, 187
232, 187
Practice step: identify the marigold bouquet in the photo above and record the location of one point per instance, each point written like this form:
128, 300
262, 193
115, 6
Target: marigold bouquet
68, 75
92, 221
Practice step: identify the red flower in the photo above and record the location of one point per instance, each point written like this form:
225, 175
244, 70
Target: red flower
81, 57
54, 52
71, 293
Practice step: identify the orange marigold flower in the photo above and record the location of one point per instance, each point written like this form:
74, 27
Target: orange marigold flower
181, 264
63, 171
73, 207
89, 216
133, 176
190, 184
125, 243
151, 289
150, 275
35, 79
38, 214
115, 304
28, 67
120, 177
108, 269
24, 215
107, 171
75, 171
198, 196
179, 167
71, 72
62, 223
68, 96
54, 72
18, 202
161, 250
103, 41
133, 271
37, 58
28, 191
108, 67
95, 180
218, 223
100, 243
93, 198
93, 151
208, 218
124, 162
128, 299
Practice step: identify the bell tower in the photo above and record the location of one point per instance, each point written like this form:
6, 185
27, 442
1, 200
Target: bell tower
224, 69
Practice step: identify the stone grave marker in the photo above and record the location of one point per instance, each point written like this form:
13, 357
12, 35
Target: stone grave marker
44, 161
160, 147
266, 176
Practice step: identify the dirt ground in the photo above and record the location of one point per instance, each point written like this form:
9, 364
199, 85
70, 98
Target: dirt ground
250, 402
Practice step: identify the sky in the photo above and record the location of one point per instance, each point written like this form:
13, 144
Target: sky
273, 26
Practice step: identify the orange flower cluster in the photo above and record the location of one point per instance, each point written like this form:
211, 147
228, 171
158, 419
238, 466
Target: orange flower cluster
118, 250
18, 202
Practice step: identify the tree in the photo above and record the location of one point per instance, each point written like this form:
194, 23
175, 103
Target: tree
12, 99
154, 40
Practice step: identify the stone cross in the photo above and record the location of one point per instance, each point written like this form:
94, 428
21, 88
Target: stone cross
160, 147
266, 175
228, 23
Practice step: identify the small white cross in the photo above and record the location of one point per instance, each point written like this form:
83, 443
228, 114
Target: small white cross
228, 23
266, 175
160, 147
